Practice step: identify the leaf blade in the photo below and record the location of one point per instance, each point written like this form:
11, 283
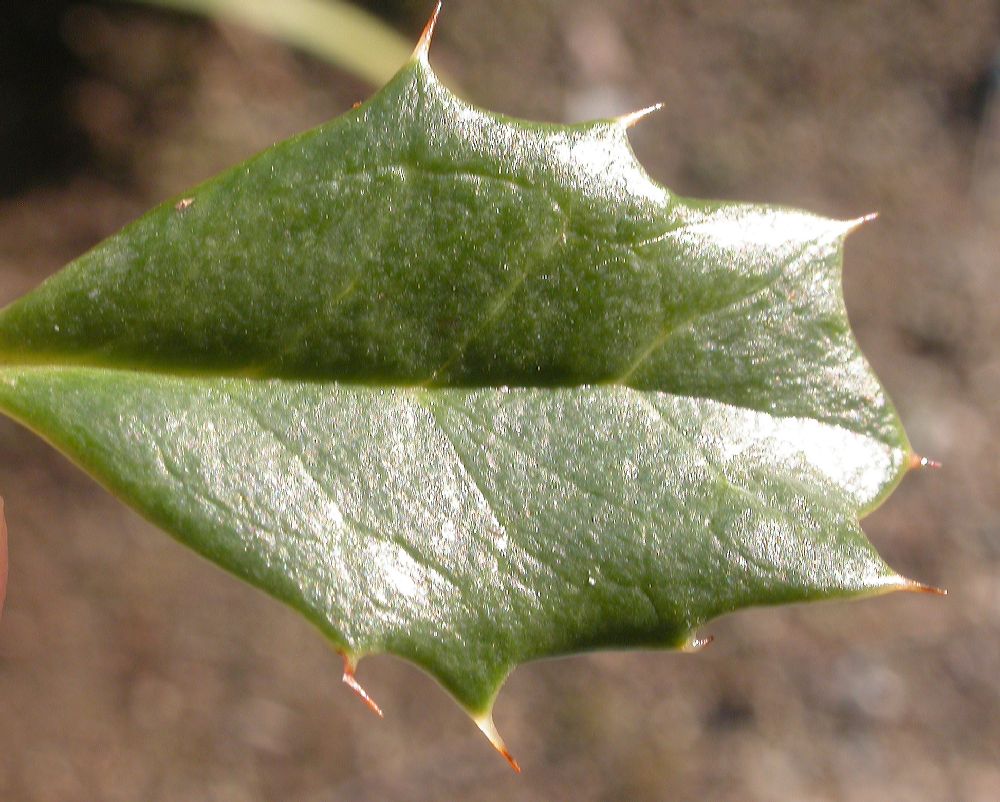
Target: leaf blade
528, 537
472, 390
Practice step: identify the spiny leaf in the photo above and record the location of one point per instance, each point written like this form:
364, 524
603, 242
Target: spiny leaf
472, 390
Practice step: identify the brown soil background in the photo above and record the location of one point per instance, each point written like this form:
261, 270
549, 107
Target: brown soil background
130, 669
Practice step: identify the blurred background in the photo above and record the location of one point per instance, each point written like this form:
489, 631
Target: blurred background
131, 669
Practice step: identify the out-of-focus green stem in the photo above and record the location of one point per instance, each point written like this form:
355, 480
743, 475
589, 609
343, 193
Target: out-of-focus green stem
335, 31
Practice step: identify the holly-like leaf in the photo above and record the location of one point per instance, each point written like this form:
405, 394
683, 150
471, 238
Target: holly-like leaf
471, 390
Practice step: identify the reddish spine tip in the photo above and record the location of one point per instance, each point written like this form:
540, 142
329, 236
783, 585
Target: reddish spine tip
855, 224
350, 666
424, 45
628, 120
510, 759
488, 728
695, 645
916, 461
919, 587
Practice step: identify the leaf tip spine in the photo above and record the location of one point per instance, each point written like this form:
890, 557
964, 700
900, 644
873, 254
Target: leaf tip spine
694, 644
350, 667
912, 586
488, 728
424, 44
630, 120
917, 462
857, 222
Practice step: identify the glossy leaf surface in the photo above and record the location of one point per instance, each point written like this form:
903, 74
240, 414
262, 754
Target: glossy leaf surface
471, 390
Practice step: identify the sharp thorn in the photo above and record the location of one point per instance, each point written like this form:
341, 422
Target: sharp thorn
350, 666
628, 120
485, 723
851, 225
916, 461
694, 644
509, 758
912, 586
424, 45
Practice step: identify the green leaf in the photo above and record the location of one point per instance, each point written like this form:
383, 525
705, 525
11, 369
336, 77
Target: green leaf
473, 391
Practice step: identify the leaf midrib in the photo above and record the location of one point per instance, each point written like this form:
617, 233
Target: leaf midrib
414, 388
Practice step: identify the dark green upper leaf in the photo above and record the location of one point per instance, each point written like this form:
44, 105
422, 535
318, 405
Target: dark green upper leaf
472, 390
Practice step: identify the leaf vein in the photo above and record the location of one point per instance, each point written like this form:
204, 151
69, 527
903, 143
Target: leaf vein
320, 483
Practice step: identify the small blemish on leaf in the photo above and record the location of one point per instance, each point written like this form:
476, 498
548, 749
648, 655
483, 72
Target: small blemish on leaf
184, 204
